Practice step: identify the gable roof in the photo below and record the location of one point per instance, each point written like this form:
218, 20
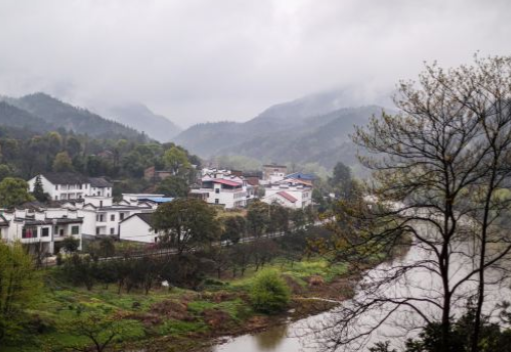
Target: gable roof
145, 217
99, 182
287, 196
65, 178
158, 200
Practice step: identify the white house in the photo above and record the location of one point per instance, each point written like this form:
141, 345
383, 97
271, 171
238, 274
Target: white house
223, 187
101, 217
70, 186
292, 193
229, 193
139, 228
40, 230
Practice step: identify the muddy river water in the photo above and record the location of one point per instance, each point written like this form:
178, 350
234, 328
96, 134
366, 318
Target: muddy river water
297, 336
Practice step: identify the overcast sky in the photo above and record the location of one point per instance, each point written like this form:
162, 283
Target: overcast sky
198, 60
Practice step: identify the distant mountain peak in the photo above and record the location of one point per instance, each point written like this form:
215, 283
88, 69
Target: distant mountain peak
140, 117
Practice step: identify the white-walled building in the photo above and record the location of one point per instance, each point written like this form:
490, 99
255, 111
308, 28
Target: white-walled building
41, 230
225, 187
139, 228
292, 193
71, 186
101, 217
231, 193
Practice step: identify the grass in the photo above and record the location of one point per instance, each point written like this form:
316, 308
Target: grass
179, 328
300, 272
58, 306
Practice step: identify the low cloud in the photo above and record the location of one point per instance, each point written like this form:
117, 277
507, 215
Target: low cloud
197, 60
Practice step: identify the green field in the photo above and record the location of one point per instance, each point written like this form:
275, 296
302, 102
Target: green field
221, 307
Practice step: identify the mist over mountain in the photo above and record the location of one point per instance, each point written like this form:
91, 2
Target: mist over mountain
15, 117
46, 112
140, 117
312, 129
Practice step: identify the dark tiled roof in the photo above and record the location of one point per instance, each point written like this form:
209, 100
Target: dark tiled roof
65, 178
49, 221
145, 217
99, 182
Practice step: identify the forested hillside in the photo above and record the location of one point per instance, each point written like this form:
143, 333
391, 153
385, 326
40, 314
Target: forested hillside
25, 153
47, 113
274, 136
15, 117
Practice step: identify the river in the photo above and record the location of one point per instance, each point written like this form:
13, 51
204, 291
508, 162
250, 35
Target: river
304, 335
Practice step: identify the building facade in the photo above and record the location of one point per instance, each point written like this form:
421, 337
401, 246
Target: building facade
41, 231
71, 186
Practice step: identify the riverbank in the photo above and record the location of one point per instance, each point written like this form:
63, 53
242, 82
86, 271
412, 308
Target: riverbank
316, 287
177, 319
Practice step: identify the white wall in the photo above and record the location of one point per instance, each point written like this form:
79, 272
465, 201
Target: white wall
302, 194
61, 192
135, 229
229, 198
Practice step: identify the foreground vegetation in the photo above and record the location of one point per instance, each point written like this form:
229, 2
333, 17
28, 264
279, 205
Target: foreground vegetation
68, 317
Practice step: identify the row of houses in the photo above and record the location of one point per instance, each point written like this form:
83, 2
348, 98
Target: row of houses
232, 189
83, 207
80, 207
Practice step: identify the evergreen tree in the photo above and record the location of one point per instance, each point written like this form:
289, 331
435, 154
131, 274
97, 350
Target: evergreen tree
38, 192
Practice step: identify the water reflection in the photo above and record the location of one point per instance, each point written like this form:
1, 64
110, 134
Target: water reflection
271, 339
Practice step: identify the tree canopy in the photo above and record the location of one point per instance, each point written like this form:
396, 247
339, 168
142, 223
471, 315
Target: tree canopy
20, 286
186, 223
440, 165
13, 192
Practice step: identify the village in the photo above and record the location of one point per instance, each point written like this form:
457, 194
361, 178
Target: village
84, 208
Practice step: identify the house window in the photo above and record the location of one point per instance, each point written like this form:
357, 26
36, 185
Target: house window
217, 201
121, 216
100, 217
112, 231
112, 217
56, 187
75, 230
100, 203
45, 232
56, 197
98, 230
29, 232
217, 190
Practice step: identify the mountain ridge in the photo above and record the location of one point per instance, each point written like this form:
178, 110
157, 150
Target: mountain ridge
312, 129
58, 114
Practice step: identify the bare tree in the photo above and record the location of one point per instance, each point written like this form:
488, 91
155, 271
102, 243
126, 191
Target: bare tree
441, 165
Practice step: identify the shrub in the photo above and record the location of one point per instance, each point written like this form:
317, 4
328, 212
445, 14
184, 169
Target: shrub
269, 293
70, 244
